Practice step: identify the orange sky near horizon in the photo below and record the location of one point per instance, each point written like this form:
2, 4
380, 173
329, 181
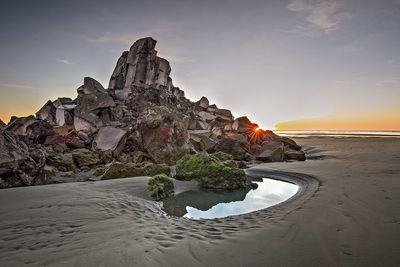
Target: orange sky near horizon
382, 120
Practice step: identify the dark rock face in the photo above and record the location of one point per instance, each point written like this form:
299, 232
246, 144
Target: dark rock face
19, 125
39, 130
110, 139
47, 113
91, 86
71, 140
142, 119
2, 125
163, 135
93, 102
18, 164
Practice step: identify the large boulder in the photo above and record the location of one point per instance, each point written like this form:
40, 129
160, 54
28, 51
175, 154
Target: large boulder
243, 125
163, 134
210, 172
141, 67
39, 130
110, 139
61, 101
87, 122
19, 125
71, 140
230, 146
17, 167
271, 152
91, 103
47, 113
290, 143
292, 154
203, 103
90, 86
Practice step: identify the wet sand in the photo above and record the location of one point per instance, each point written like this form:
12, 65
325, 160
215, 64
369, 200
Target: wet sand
347, 214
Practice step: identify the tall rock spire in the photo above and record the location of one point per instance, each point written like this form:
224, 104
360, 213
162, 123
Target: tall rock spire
140, 66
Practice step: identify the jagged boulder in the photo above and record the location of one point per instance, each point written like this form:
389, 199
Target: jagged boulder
2, 125
61, 101
203, 103
271, 152
243, 125
210, 172
39, 130
230, 146
87, 122
17, 167
19, 125
162, 133
47, 113
91, 86
110, 139
93, 102
292, 154
70, 140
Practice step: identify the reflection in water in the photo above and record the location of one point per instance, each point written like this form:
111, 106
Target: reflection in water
208, 204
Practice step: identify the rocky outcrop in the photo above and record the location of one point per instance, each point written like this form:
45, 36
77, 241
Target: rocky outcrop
141, 120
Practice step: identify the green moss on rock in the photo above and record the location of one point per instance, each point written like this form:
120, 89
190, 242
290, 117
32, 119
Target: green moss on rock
119, 170
153, 169
210, 172
63, 162
222, 156
161, 186
98, 172
85, 158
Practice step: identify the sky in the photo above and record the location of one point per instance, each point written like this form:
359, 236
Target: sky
287, 65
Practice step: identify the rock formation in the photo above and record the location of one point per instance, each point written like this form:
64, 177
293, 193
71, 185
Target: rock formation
140, 119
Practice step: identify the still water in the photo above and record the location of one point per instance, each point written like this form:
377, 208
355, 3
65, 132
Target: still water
209, 204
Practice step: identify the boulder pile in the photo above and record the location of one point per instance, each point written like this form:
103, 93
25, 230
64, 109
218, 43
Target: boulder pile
140, 119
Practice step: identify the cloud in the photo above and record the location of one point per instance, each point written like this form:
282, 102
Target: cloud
321, 15
65, 61
19, 86
392, 82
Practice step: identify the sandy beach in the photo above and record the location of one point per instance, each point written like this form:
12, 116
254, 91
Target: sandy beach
347, 213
